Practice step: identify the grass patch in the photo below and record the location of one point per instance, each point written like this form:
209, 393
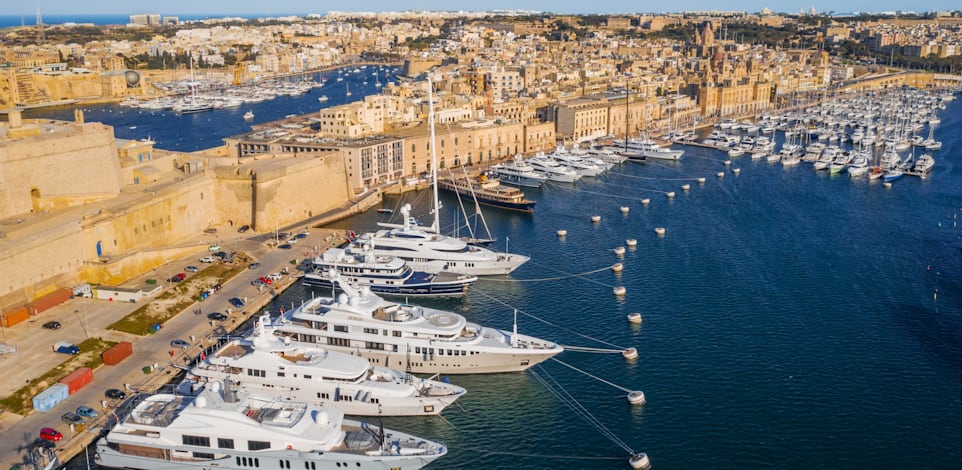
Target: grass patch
174, 300
21, 401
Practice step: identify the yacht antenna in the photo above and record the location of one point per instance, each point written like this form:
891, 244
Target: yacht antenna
434, 159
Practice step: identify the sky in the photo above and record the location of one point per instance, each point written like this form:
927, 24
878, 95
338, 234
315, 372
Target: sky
285, 7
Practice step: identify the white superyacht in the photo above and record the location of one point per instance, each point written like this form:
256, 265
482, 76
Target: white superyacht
265, 363
409, 337
228, 429
424, 249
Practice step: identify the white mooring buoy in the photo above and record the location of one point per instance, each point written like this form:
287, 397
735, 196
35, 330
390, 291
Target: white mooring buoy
630, 354
701, 179
562, 232
631, 242
645, 201
660, 230
670, 194
728, 162
721, 174
619, 250
634, 318
617, 267
624, 209
619, 291
736, 170
639, 461
685, 187
636, 397
596, 218
887, 184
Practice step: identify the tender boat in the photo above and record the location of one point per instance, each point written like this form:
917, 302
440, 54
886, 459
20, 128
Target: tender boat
265, 363
383, 274
229, 429
410, 337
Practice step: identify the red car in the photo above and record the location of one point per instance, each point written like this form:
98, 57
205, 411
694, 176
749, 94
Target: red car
50, 434
265, 280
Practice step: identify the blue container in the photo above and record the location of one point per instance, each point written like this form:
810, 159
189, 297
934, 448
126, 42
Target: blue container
51, 397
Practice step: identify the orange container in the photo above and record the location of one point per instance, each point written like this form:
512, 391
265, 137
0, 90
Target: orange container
119, 352
15, 316
78, 379
50, 300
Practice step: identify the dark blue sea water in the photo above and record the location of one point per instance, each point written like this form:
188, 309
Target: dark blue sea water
790, 320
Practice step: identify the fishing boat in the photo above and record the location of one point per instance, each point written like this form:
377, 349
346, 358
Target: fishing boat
318, 376
383, 274
230, 429
410, 337
490, 192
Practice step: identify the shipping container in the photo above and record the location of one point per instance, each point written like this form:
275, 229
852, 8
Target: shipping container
51, 397
78, 379
50, 300
117, 353
15, 316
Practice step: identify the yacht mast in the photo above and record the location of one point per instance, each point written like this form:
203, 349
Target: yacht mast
435, 225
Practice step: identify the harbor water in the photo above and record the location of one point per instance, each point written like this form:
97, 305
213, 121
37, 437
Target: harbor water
791, 318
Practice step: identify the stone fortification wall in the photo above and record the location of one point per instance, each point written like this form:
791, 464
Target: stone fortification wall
40, 263
61, 166
276, 192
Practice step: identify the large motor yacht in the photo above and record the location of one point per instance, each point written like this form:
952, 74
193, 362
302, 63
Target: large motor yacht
409, 337
265, 363
228, 429
424, 249
386, 275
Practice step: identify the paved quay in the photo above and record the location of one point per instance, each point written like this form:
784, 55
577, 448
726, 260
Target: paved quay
82, 318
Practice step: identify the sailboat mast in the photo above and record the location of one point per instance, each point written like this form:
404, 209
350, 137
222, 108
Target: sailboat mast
435, 225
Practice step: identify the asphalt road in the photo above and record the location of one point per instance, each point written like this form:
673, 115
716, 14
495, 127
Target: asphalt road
82, 317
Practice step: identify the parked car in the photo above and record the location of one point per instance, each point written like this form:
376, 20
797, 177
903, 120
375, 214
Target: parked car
43, 443
286, 246
64, 347
50, 434
179, 343
274, 276
301, 235
191, 269
253, 265
213, 248
87, 412
221, 254
243, 228
178, 277
115, 393
217, 316
265, 280
257, 283
208, 259
72, 418
52, 325
236, 302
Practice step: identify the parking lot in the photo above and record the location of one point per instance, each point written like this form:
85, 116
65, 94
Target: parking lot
81, 318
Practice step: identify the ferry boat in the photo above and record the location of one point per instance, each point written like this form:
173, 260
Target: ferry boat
383, 274
263, 362
489, 192
424, 249
410, 337
229, 429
